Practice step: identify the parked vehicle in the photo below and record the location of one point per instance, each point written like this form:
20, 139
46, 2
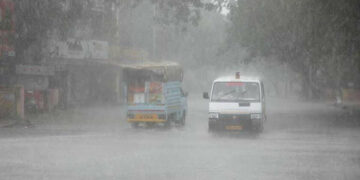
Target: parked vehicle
236, 103
154, 94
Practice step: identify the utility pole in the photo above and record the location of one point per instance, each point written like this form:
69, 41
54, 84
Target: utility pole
154, 31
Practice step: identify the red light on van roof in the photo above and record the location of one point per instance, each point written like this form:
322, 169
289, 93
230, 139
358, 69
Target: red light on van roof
234, 84
237, 75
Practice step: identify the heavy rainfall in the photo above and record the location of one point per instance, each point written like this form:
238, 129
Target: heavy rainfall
179, 89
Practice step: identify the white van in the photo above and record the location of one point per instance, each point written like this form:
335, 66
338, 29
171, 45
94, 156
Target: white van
236, 103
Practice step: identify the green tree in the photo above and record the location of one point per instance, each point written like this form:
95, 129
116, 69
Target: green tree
40, 20
36, 20
317, 39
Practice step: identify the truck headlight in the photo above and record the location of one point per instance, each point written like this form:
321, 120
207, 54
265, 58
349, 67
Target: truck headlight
213, 115
255, 116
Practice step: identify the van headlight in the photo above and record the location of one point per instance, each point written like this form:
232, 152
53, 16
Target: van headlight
255, 116
213, 115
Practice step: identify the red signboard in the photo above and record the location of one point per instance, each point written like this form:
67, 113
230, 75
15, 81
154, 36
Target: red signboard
7, 28
7, 16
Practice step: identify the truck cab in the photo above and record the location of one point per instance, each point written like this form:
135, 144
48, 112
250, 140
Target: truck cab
236, 103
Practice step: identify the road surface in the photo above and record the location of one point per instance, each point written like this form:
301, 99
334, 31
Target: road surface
301, 141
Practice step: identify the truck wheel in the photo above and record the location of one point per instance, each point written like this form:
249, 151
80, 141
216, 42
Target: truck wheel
258, 128
150, 124
134, 125
167, 124
182, 121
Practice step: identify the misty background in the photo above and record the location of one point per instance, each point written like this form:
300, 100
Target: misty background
63, 110
300, 48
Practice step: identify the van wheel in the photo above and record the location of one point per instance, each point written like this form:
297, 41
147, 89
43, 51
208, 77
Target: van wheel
212, 127
167, 124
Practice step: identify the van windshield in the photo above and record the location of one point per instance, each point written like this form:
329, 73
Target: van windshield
235, 91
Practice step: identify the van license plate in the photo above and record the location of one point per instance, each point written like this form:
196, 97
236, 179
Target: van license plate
234, 127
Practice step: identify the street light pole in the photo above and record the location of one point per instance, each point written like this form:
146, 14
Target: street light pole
154, 33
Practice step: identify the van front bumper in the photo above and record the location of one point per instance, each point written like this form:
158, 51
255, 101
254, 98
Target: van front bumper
231, 122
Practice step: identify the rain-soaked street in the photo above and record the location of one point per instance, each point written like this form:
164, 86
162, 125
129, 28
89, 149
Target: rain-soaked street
137, 89
300, 141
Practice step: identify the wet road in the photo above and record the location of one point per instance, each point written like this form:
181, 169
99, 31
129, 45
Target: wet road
301, 141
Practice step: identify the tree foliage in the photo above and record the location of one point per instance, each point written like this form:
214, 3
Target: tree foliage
37, 19
176, 12
40, 20
319, 39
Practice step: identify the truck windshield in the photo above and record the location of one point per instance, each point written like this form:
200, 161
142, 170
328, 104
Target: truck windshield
235, 91
140, 92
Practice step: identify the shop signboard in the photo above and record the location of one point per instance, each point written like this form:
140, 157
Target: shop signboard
77, 49
98, 49
118, 52
35, 70
70, 49
34, 82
